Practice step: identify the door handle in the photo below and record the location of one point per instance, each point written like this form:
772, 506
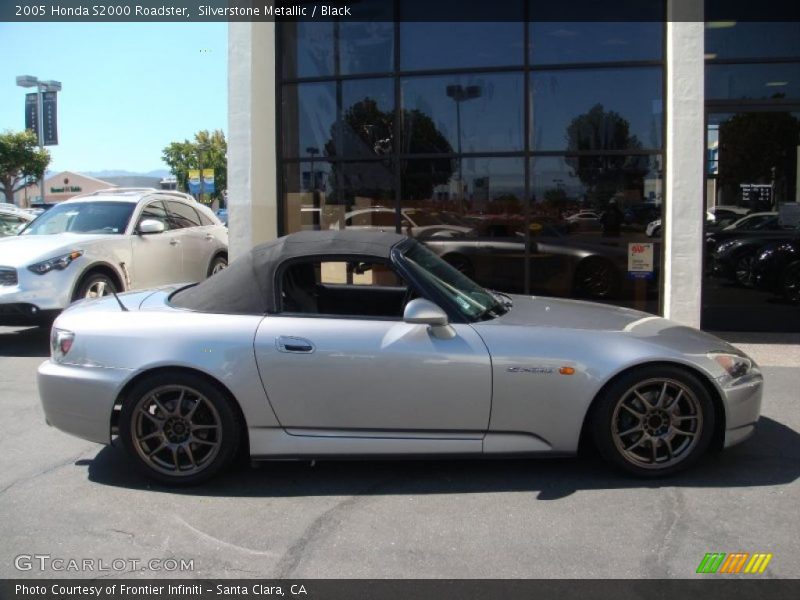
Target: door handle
294, 345
174, 242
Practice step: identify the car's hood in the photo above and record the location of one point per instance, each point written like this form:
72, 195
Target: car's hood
23, 250
576, 315
542, 311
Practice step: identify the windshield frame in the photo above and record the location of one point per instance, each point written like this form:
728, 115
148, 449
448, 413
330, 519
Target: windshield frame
62, 207
435, 289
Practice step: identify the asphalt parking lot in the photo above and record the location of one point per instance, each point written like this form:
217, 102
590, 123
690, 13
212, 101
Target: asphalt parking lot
69, 499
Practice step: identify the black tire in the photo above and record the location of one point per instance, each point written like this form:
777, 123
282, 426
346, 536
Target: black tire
596, 278
790, 282
460, 264
209, 428
633, 451
219, 263
95, 285
743, 265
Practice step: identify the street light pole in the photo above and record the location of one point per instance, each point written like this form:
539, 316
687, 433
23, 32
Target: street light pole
459, 94
41, 87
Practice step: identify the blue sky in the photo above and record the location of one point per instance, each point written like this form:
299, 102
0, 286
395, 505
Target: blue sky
129, 89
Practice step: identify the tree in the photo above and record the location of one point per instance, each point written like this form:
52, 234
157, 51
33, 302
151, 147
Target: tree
366, 131
207, 151
20, 161
599, 130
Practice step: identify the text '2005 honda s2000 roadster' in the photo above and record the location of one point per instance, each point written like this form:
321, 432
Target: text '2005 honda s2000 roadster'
344, 343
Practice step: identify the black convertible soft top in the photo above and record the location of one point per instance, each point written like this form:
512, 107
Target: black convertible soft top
247, 286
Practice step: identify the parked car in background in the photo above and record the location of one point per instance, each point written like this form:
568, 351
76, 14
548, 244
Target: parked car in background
777, 268
414, 222
281, 357
754, 221
734, 258
108, 241
13, 220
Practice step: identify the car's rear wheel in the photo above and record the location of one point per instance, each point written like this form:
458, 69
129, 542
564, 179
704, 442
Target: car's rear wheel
179, 428
95, 285
596, 278
654, 421
218, 264
790, 283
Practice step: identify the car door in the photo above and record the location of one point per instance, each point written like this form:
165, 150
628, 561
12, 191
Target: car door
157, 257
373, 375
195, 240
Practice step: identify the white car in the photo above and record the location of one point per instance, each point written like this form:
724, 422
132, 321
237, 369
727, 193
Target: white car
12, 219
415, 222
108, 241
653, 228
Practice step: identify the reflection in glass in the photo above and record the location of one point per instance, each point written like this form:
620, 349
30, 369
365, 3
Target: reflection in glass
307, 187
586, 213
307, 49
473, 113
367, 125
444, 45
753, 82
309, 112
754, 240
742, 39
366, 47
576, 42
601, 109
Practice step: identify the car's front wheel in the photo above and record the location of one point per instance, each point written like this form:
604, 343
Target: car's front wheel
95, 285
790, 284
654, 421
179, 428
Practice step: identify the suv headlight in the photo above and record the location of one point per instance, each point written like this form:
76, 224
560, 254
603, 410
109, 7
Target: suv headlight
60, 343
736, 366
58, 263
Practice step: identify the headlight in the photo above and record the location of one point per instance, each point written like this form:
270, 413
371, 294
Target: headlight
735, 365
58, 263
60, 343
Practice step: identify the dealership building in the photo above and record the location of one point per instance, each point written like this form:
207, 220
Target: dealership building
532, 154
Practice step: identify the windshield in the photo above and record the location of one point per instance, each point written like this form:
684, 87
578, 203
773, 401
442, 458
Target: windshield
473, 301
83, 217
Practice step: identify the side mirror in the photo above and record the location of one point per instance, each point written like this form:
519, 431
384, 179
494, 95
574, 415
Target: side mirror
149, 226
424, 312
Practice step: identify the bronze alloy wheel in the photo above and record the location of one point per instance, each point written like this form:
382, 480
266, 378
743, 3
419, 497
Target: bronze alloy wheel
179, 427
657, 423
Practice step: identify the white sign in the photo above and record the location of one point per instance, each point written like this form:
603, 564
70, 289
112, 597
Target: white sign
640, 259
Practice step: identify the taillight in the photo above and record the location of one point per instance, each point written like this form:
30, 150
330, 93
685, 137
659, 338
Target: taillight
60, 343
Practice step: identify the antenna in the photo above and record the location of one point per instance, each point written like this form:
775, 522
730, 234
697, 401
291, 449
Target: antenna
121, 305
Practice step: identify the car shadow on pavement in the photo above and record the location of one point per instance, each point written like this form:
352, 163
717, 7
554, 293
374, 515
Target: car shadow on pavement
25, 342
771, 457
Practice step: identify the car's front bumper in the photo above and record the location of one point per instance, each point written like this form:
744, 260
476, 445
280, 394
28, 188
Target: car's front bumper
33, 298
80, 400
742, 408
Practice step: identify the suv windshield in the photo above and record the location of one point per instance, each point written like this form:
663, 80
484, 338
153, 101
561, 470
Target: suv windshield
83, 217
473, 301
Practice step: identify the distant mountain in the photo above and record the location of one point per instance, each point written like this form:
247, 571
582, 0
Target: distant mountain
122, 173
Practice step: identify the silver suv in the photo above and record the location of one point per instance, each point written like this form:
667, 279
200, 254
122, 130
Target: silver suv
112, 240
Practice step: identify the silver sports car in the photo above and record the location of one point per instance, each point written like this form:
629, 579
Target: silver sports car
346, 343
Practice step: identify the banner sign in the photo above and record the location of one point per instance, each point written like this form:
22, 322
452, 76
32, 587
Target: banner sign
32, 113
50, 111
194, 181
208, 181
640, 260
